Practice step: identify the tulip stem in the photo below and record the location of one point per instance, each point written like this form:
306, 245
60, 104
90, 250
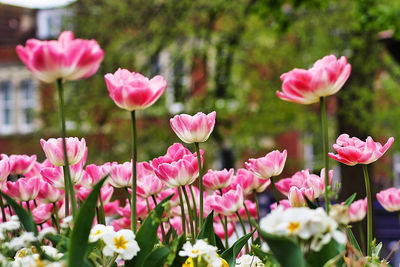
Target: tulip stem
56, 218
190, 213
249, 218
244, 230
101, 211
134, 159
3, 212
28, 207
182, 211
162, 224
148, 205
369, 209
196, 222
225, 225
362, 238
200, 183
276, 193
257, 204
67, 176
324, 124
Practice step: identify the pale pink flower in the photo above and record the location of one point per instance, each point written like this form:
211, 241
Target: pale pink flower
251, 207
148, 184
389, 199
24, 189
121, 223
4, 168
20, 164
141, 208
215, 180
229, 203
193, 129
326, 77
94, 173
285, 203
37, 167
53, 148
174, 153
133, 91
220, 231
297, 196
248, 182
48, 193
352, 151
105, 192
121, 175
111, 208
42, 213
268, 166
66, 58
358, 210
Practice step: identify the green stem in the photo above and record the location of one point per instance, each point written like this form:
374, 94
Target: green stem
162, 224
200, 184
248, 217
225, 225
148, 205
324, 125
196, 221
101, 211
128, 195
276, 193
3, 212
57, 220
182, 211
28, 207
190, 213
369, 209
134, 160
362, 239
257, 204
67, 176
244, 230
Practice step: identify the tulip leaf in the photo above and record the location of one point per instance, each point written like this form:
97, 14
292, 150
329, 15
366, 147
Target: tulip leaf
287, 252
219, 244
176, 260
327, 252
310, 204
207, 231
157, 257
146, 237
352, 239
78, 242
231, 253
350, 200
264, 256
24, 217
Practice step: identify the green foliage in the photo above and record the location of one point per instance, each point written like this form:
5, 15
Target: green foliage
327, 252
350, 200
231, 253
207, 230
157, 257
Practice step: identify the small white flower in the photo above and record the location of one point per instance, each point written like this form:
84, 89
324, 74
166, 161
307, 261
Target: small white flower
52, 252
23, 240
200, 248
66, 222
46, 231
248, 260
97, 232
122, 242
11, 225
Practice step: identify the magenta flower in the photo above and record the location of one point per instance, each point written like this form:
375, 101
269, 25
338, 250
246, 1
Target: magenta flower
252, 208
133, 91
49, 194
105, 192
53, 148
389, 199
325, 78
229, 203
193, 129
94, 173
215, 180
248, 182
42, 213
20, 164
285, 203
121, 175
358, 210
297, 196
352, 151
268, 166
111, 208
4, 168
220, 231
66, 58
149, 185
24, 189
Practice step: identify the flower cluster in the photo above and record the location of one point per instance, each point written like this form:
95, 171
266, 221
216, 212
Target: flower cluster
203, 253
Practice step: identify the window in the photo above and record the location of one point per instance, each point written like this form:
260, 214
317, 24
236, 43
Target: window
26, 105
6, 106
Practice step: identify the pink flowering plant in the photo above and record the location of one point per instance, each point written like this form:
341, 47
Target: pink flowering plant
61, 212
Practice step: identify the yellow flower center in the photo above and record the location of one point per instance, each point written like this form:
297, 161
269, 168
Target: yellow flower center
120, 242
293, 227
97, 232
195, 251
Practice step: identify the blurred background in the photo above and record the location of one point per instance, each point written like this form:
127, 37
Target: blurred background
217, 55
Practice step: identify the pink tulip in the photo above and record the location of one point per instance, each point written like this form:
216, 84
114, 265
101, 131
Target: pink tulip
174, 201
193, 129
297, 196
249, 182
133, 91
389, 199
358, 210
111, 208
269, 166
352, 151
174, 153
20, 164
94, 173
49, 194
4, 168
42, 213
141, 209
121, 175
220, 231
325, 78
285, 203
121, 223
66, 58
24, 189
105, 192
148, 184
229, 203
252, 208
181, 172
215, 180
53, 148
37, 167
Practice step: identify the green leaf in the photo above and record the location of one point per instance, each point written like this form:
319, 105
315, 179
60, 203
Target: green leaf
177, 260
287, 252
78, 242
231, 253
157, 257
25, 218
350, 200
327, 252
146, 237
219, 244
352, 239
264, 256
309, 203
207, 231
